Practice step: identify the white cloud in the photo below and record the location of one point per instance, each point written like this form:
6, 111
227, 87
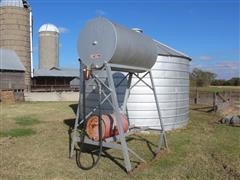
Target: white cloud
228, 65
100, 12
205, 57
63, 30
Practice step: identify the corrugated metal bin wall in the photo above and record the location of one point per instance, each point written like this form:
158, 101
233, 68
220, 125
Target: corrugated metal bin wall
171, 78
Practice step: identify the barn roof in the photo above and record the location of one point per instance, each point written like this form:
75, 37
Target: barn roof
56, 72
165, 50
9, 60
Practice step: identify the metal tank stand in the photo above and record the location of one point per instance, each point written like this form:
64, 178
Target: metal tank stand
119, 141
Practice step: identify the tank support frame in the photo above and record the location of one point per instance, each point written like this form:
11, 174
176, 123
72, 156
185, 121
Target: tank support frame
112, 99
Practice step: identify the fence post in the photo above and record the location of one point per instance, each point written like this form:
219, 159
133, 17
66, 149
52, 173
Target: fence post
230, 96
196, 98
214, 102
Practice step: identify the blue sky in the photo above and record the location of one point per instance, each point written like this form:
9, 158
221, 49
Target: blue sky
206, 30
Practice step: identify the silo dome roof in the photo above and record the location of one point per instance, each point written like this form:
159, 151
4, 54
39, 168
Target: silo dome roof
48, 27
16, 3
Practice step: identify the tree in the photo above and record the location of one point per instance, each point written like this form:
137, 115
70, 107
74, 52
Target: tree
235, 81
219, 82
202, 78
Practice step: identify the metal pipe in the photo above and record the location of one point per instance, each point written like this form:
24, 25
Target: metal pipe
79, 115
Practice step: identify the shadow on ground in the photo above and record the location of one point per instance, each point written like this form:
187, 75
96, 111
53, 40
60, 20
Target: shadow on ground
74, 108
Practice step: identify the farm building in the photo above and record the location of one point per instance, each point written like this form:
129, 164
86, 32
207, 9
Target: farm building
16, 33
49, 76
55, 79
12, 73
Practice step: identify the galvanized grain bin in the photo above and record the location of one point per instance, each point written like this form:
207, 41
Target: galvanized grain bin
171, 78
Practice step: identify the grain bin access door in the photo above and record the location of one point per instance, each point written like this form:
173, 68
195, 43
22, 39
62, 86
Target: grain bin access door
105, 47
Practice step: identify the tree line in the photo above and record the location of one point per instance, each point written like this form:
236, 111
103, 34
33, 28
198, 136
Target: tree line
201, 78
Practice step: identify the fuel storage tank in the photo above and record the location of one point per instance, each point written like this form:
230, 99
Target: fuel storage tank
48, 52
16, 32
171, 78
103, 41
170, 70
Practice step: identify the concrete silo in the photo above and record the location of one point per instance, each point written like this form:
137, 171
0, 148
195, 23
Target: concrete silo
48, 51
16, 32
171, 78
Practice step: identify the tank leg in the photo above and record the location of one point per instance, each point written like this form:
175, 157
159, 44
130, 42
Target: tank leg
162, 133
79, 114
73, 134
119, 123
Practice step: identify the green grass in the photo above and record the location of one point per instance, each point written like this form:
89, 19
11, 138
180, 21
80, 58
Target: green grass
203, 150
219, 89
26, 120
17, 133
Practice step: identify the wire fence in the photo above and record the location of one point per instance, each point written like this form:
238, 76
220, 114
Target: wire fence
216, 100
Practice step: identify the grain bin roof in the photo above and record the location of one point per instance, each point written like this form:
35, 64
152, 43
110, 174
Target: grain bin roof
48, 27
9, 60
165, 50
15, 3
56, 72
